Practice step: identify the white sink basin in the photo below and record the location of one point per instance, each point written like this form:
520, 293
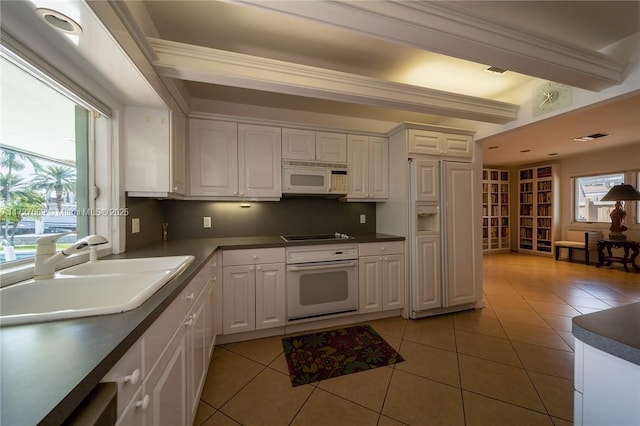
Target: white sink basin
124, 285
127, 266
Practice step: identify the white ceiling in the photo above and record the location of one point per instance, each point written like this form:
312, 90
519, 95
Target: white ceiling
284, 31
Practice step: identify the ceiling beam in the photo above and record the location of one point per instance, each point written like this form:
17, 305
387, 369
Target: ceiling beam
207, 65
451, 30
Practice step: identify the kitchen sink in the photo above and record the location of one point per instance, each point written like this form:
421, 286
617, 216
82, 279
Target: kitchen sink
127, 266
95, 288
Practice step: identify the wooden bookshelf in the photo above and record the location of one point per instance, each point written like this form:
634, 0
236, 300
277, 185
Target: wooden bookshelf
495, 210
538, 207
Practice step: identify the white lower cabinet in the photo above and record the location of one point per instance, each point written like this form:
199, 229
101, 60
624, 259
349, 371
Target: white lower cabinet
166, 386
161, 376
253, 289
607, 388
381, 276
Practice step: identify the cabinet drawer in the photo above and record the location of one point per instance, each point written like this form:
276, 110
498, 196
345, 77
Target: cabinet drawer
376, 249
253, 256
127, 374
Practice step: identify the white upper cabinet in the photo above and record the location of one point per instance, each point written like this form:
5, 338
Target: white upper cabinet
298, 144
154, 150
259, 161
309, 145
213, 158
331, 147
229, 160
368, 168
437, 143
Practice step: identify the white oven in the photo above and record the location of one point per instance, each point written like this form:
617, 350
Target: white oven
321, 280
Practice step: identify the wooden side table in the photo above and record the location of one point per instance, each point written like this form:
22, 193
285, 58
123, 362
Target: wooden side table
631, 250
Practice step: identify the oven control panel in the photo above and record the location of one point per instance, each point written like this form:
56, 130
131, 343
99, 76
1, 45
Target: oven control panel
321, 253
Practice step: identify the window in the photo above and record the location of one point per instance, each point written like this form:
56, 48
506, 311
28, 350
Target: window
44, 164
588, 192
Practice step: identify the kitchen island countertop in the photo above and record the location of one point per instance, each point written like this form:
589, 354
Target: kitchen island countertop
48, 368
615, 331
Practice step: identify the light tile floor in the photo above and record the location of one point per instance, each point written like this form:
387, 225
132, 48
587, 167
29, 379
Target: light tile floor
510, 363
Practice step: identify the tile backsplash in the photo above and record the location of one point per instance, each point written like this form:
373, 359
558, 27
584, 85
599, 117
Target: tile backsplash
230, 219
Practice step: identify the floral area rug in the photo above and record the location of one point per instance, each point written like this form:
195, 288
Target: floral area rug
320, 356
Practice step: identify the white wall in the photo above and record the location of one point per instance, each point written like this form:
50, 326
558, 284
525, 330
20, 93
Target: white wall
623, 159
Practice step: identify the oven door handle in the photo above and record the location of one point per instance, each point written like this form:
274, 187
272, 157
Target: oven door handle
332, 265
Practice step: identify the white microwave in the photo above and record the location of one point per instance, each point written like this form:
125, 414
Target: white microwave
311, 178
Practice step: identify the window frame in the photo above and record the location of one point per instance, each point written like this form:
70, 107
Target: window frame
632, 208
101, 143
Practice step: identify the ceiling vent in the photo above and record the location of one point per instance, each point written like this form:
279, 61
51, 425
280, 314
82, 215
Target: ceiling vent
496, 70
590, 137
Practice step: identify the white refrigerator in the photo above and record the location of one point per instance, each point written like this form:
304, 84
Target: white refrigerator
443, 243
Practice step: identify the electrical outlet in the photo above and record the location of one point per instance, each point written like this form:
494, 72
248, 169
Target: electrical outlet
363, 218
135, 225
206, 222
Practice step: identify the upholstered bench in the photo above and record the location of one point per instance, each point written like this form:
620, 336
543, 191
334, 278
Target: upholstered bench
579, 240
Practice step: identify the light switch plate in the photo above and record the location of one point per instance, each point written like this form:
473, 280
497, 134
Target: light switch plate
206, 222
363, 218
135, 225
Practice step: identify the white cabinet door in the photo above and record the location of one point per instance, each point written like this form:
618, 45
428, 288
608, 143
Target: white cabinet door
368, 164
298, 144
331, 147
370, 283
428, 286
457, 145
147, 150
427, 180
393, 282
197, 351
425, 142
460, 226
166, 386
358, 166
213, 158
270, 295
239, 299
133, 414
378, 168
259, 161
178, 152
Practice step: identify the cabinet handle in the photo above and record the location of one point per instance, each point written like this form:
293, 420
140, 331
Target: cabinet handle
259, 268
133, 378
190, 297
385, 258
175, 188
190, 321
382, 248
144, 402
251, 268
254, 257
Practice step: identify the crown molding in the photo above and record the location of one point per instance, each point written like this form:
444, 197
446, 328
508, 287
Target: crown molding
451, 30
207, 65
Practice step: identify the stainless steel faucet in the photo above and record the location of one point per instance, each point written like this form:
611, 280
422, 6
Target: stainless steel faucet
47, 258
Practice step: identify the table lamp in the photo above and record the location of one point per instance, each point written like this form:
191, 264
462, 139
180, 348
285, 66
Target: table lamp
619, 193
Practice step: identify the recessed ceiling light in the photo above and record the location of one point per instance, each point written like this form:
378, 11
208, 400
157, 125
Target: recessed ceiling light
526, 150
590, 137
496, 70
59, 21
493, 147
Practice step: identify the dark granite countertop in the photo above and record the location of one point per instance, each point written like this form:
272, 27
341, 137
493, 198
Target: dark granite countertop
615, 331
47, 369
